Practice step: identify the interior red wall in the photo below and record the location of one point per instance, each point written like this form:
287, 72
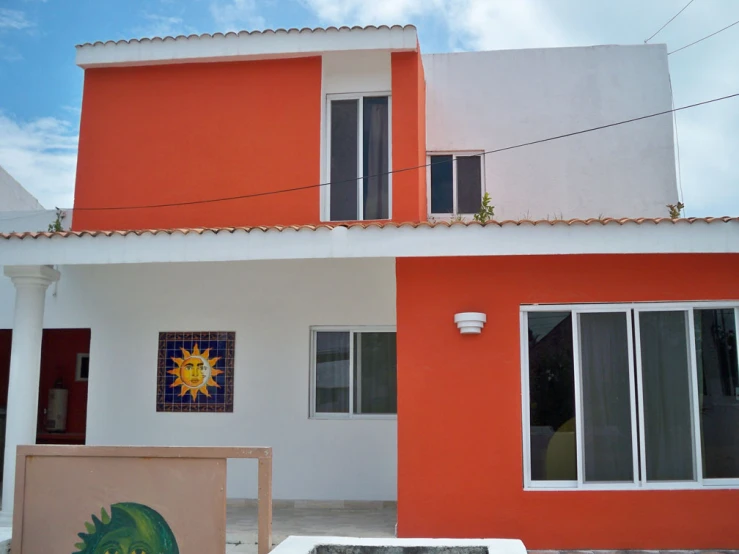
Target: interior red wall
179, 133
59, 351
460, 467
6, 337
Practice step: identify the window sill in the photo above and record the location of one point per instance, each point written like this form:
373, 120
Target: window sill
350, 417
728, 484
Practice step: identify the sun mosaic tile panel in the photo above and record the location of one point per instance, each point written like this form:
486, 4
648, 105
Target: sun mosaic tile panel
195, 372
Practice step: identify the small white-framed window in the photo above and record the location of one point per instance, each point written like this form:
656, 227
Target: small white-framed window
623, 396
456, 182
353, 372
358, 148
82, 370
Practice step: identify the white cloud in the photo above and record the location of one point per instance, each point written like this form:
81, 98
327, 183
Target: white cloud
376, 12
42, 156
162, 26
236, 15
14, 19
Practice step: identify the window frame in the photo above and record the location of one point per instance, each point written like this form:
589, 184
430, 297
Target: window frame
326, 190
351, 329
455, 196
632, 311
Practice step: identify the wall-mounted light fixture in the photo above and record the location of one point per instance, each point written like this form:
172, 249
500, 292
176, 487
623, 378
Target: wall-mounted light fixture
470, 322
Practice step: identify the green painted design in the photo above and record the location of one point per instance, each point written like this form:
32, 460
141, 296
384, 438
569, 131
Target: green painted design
130, 529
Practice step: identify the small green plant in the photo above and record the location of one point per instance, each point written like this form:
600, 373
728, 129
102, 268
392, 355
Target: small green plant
487, 211
56, 225
457, 219
675, 210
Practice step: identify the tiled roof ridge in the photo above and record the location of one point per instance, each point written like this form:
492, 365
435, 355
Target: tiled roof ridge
244, 32
378, 224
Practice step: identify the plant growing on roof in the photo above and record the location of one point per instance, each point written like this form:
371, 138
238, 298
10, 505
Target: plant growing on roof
675, 209
56, 225
487, 211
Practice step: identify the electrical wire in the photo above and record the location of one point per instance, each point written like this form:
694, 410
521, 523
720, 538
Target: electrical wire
402, 170
704, 38
670, 21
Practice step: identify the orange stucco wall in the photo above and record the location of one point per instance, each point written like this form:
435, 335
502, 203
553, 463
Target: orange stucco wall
187, 132
459, 404
409, 137
174, 134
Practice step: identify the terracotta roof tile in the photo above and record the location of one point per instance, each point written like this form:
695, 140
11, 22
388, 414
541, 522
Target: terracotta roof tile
240, 33
377, 224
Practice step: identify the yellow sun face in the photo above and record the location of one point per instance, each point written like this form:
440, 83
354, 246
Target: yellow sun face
195, 372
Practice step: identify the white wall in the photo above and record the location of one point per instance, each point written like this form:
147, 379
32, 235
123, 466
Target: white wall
13, 196
489, 100
270, 306
31, 220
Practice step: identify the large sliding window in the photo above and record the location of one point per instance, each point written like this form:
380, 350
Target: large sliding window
359, 157
625, 396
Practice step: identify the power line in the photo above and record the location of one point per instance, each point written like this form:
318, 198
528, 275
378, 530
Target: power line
670, 21
402, 170
704, 38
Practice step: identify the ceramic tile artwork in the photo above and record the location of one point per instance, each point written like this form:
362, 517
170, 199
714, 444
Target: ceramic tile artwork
195, 371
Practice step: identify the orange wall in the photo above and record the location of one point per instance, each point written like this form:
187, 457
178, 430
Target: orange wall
459, 404
186, 132
409, 137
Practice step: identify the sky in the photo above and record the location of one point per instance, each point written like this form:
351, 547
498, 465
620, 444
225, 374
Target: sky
41, 87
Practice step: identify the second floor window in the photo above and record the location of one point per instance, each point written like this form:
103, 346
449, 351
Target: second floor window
359, 154
455, 183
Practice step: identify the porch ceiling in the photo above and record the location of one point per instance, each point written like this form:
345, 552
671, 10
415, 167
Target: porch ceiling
374, 240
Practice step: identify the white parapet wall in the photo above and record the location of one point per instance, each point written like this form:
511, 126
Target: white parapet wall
334, 545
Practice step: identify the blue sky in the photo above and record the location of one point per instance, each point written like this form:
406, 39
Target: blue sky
41, 88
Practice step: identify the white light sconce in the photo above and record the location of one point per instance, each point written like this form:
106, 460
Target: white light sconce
470, 322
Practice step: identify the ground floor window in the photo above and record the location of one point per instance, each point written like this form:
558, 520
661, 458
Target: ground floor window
353, 372
638, 395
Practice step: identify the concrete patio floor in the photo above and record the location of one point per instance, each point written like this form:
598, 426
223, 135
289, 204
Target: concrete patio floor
349, 521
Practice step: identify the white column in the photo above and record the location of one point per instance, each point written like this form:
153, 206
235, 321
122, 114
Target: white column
30, 283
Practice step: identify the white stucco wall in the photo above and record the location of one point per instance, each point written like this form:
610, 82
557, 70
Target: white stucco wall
31, 220
13, 196
270, 306
489, 100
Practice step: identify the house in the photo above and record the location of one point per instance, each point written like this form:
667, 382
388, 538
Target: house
231, 300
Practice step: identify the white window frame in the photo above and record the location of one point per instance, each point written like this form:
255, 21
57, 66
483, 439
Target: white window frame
78, 368
454, 154
638, 441
326, 190
351, 329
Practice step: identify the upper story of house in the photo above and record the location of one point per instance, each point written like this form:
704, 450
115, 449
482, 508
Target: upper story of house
308, 126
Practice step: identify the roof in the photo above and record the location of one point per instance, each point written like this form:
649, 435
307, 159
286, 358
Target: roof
378, 224
242, 45
374, 240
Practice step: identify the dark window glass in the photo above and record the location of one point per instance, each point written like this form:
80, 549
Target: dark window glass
375, 158
442, 192
375, 375
666, 392
552, 397
469, 185
332, 372
344, 170
718, 392
606, 397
